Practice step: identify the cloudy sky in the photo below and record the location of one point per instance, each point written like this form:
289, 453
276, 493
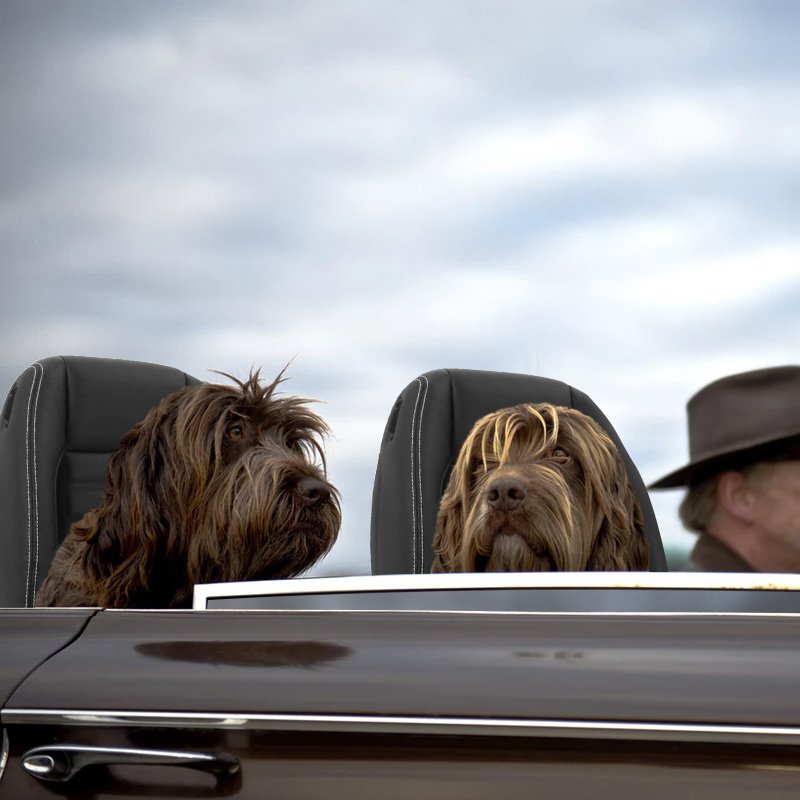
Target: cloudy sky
599, 191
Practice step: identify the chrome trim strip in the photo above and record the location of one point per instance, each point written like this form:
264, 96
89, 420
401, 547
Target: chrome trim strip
766, 615
500, 580
601, 729
733, 615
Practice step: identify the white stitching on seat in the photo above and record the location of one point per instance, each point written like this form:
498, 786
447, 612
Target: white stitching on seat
28, 481
419, 476
413, 487
36, 486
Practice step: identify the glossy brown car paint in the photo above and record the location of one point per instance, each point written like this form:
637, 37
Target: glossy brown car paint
683, 669
354, 704
28, 639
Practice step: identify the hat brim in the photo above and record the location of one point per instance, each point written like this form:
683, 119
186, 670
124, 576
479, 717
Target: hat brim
783, 447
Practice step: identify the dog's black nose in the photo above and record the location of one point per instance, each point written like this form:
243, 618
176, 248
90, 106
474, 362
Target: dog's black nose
506, 494
313, 491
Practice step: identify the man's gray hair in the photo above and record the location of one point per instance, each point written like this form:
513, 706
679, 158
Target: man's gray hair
698, 506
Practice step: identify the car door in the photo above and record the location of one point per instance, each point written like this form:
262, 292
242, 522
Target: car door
392, 704
27, 639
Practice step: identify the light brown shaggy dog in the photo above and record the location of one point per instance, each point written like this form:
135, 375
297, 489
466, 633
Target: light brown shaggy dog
217, 483
539, 487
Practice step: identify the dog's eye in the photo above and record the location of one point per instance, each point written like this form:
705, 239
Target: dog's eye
560, 453
235, 432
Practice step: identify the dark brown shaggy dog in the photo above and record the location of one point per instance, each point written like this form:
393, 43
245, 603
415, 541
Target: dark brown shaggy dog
217, 483
539, 487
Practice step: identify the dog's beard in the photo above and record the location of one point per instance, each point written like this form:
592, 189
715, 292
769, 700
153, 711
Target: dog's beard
549, 533
258, 526
511, 553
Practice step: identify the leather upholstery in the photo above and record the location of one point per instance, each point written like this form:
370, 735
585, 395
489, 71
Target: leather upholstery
427, 426
61, 421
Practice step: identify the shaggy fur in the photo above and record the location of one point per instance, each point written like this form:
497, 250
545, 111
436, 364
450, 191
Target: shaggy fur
539, 487
217, 483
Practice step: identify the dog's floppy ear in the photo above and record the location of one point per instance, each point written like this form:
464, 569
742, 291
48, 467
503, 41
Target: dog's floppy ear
620, 543
449, 534
123, 533
450, 522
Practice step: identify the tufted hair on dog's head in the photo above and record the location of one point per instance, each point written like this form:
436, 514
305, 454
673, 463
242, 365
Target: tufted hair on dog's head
217, 483
539, 487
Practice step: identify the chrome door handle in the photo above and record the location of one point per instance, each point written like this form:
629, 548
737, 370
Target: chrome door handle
61, 763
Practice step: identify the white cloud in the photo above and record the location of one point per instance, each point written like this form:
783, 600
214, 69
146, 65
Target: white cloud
644, 135
590, 190
729, 280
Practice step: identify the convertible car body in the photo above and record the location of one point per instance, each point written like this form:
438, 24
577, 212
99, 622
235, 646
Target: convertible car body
401, 684
453, 686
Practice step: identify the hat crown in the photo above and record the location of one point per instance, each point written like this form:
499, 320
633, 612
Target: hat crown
738, 420
744, 410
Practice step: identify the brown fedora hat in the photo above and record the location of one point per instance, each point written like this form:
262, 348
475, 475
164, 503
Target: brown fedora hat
738, 420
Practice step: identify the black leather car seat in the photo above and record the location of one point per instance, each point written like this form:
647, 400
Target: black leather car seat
61, 421
428, 424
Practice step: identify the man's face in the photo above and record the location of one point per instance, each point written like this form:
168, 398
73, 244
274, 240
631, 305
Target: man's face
776, 489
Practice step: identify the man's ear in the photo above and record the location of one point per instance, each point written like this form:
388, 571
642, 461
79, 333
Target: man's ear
735, 496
